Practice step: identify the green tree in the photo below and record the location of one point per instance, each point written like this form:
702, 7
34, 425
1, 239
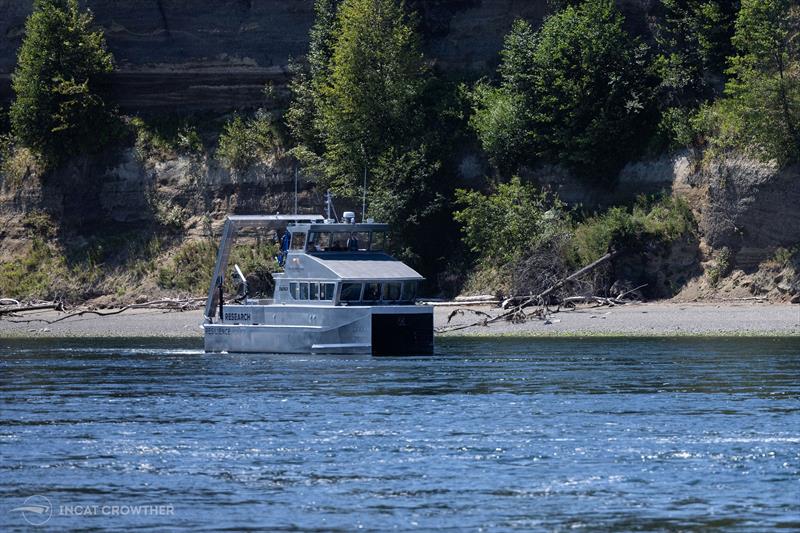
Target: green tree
59, 108
371, 100
761, 111
308, 78
503, 226
694, 43
368, 100
580, 90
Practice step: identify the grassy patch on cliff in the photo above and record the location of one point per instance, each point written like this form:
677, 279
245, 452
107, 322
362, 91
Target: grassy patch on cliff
650, 221
110, 263
192, 266
543, 243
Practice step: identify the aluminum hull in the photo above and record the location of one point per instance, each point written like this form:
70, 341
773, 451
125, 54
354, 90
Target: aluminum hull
303, 329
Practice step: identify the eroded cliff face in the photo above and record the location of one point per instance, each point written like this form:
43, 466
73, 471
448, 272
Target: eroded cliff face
219, 54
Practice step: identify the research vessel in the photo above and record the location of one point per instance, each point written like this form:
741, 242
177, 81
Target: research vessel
340, 292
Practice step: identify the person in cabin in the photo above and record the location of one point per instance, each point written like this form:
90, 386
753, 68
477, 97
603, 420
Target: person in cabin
352, 243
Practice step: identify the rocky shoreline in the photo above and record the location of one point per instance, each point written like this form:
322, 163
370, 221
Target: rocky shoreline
659, 319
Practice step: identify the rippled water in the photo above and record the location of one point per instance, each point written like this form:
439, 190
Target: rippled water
532, 434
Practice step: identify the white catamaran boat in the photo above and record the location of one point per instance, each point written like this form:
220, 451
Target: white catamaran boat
339, 293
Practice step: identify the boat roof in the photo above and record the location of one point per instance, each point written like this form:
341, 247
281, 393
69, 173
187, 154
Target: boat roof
340, 226
365, 266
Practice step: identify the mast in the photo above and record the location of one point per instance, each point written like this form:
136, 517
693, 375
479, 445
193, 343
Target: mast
364, 197
295, 188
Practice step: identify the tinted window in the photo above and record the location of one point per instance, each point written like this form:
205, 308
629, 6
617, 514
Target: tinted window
298, 241
326, 291
351, 292
319, 241
391, 292
338, 242
378, 240
293, 290
304, 291
313, 291
372, 292
358, 241
409, 290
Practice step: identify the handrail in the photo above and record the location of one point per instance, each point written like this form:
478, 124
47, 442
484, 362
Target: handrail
233, 223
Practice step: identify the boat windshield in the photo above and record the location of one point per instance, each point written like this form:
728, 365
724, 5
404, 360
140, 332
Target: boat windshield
338, 241
387, 292
378, 241
298, 240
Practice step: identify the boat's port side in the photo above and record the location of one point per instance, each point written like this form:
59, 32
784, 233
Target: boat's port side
399, 332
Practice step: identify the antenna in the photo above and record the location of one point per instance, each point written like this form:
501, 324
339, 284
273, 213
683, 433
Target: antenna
364, 197
329, 206
295, 188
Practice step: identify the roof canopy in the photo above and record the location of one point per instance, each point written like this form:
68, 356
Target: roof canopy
366, 266
339, 227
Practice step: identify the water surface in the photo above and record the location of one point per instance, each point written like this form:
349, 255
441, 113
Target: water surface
543, 434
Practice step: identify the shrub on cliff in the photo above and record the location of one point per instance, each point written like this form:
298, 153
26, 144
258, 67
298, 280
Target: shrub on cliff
648, 222
245, 142
761, 111
503, 226
59, 107
578, 89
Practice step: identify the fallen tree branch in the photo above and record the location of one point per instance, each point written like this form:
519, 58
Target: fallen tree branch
542, 295
169, 305
38, 307
602, 300
517, 314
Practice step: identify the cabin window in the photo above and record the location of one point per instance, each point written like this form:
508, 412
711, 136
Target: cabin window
326, 291
298, 241
378, 241
391, 292
319, 241
338, 242
304, 291
372, 292
351, 292
313, 291
358, 241
409, 290
293, 290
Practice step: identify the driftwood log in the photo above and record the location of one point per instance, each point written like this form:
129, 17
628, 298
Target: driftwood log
38, 307
515, 305
166, 305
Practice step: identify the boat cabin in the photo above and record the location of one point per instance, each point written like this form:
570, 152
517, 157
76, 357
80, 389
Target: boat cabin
342, 264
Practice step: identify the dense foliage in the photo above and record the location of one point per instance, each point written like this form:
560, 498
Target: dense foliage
501, 227
694, 43
573, 92
761, 111
525, 240
366, 104
308, 81
59, 108
371, 100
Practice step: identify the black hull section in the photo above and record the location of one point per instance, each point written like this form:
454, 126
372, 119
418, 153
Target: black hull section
402, 334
